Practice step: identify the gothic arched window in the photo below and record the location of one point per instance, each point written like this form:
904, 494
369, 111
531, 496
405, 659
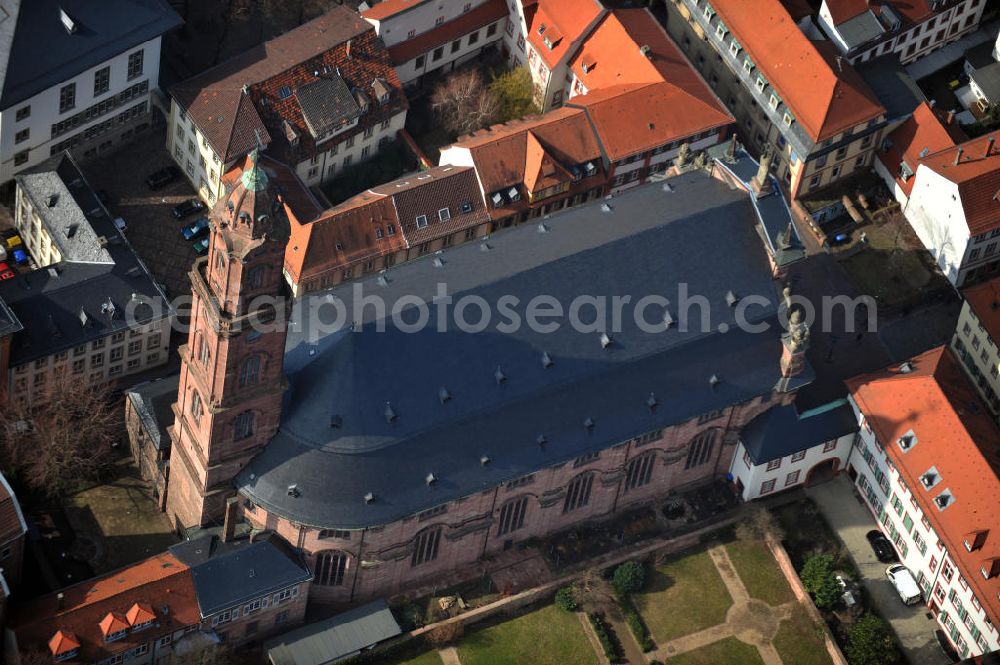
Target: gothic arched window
701, 449
255, 278
578, 492
196, 406
330, 569
639, 470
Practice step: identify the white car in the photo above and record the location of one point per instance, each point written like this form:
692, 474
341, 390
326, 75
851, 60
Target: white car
902, 579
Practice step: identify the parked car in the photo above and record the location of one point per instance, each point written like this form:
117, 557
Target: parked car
195, 228
902, 580
201, 246
883, 549
163, 177
189, 207
120, 223
6, 272
13, 241
20, 256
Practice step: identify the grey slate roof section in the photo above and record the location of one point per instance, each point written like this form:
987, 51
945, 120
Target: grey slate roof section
773, 212
228, 574
335, 638
783, 431
48, 301
701, 234
860, 29
68, 226
988, 80
9, 323
152, 401
41, 53
895, 88
327, 103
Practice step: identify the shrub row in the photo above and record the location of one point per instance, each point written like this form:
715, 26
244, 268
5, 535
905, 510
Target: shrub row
637, 627
604, 636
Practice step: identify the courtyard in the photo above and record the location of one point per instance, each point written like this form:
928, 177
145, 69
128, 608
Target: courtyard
721, 603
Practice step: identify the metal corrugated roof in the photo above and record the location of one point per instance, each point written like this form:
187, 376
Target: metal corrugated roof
336, 638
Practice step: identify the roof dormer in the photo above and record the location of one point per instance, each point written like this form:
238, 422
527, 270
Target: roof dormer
64, 645
975, 540
114, 626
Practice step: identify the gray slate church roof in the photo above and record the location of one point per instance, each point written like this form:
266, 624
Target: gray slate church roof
784, 431
336, 638
38, 52
67, 304
336, 444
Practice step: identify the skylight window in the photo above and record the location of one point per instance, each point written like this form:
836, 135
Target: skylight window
444, 214
285, 92
421, 221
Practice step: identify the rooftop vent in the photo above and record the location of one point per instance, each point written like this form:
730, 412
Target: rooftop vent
390, 415
484, 460
644, 50
70, 231
499, 375
928, 479
336, 421
370, 497
588, 423
68, 23
438, 262
485, 247
84, 318
541, 440
651, 402
713, 380
944, 499
907, 441
382, 281
430, 479
466, 207
547, 360
293, 491
443, 395
668, 318
108, 309
542, 227
731, 298
605, 340
906, 367
606, 207
53, 200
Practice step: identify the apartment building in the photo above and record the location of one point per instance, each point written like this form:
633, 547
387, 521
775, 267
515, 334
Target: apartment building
178, 606
975, 340
404, 219
952, 208
429, 36
13, 537
926, 466
783, 448
77, 76
91, 312
864, 30
791, 94
320, 97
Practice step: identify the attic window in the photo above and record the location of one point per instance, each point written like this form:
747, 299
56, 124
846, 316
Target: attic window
541, 29
421, 221
391, 229
466, 207
378, 232
720, 30
340, 247
907, 441
513, 195
787, 119
497, 199
761, 83
285, 92
747, 65
734, 47
773, 101
709, 12
67, 22
444, 214
944, 499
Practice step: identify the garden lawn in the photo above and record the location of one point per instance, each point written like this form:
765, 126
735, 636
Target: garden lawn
683, 596
548, 636
429, 658
759, 571
729, 651
800, 641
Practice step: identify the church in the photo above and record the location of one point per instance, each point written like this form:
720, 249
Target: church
390, 453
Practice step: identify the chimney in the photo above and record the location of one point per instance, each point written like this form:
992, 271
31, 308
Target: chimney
348, 49
958, 156
950, 117
229, 525
59, 601
840, 63
989, 146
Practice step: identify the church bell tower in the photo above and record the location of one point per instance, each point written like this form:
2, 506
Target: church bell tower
231, 382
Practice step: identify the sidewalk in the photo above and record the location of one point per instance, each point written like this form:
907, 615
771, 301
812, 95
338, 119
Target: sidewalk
851, 520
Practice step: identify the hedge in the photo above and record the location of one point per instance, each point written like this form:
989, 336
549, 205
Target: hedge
603, 632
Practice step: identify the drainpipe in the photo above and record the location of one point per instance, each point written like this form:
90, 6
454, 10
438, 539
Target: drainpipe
357, 568
493, 507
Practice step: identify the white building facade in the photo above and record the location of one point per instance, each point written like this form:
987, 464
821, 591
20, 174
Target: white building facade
959, 613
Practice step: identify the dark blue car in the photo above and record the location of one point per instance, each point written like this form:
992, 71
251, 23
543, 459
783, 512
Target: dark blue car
196, 228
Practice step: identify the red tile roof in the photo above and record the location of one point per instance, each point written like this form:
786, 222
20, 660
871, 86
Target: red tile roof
909, 11
984, 300
140, 613
978, 178
564, 23
955, 435
639, 100
63, 642
90, 608
386, 8
228, 117
823, 98
474, 19
352, 225
925, 132
845, 10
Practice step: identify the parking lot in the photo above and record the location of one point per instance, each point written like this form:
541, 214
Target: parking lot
914, 625
152, 230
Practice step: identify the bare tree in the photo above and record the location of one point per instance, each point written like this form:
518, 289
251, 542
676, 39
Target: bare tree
63, 436
758, 523
464, 103
445, 634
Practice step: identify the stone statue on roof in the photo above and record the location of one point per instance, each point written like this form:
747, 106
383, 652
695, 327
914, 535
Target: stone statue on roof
682, 156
